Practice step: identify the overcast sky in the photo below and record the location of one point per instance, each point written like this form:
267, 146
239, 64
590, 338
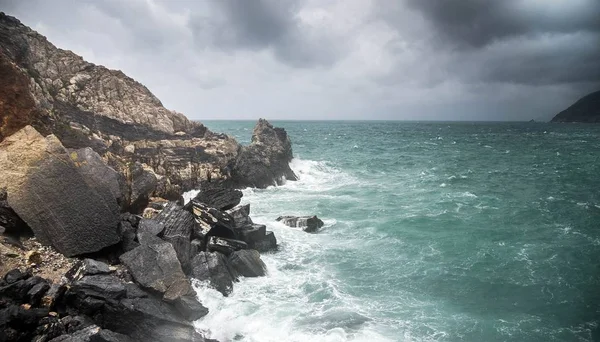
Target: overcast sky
338, 59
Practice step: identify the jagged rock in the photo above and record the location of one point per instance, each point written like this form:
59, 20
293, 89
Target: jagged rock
155, 266
128, 236
179, 225
53, 295
47, 191
212, 267
143, 184
265, 161
247, 263
189, 307
219, 196
21, 320
36, 292
98, 175
267, 244
10, 222
197, 246
240, 215
149, 228
252, 234
309, 224
212, 222
87, 267
93, 333
225, 246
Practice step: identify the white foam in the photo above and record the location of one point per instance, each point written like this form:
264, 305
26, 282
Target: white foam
189, 195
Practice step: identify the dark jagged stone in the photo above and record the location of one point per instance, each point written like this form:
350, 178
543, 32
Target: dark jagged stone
48, 192
93, 333
20, 322
128, 236
197, 246
309, 224
189, 307
265, 161
247, 263
9, 220
36, 292
252, 234
15, 275
212, 222
240, 215
149, 228
155, 266
219, 196
143, 183
225, 246
212, 267
267, 244
179, 225
53, 296
87, 267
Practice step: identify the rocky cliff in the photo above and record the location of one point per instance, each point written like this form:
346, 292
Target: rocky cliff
586, 109
87, 105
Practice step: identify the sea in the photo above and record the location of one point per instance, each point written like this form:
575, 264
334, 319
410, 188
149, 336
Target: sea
434, 231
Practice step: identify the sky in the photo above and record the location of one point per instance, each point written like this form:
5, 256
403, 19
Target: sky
338, 59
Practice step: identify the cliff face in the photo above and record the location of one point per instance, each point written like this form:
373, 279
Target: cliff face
586, 109
87, 105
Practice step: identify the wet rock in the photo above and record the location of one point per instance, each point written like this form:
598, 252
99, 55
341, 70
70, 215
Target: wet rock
309, 224
268, 243
225, 246
252, 234
49, 193
247, 263
212, 222
179, 225
213, 268
155, 266
219, 196
189, 307
241, 216
265, 161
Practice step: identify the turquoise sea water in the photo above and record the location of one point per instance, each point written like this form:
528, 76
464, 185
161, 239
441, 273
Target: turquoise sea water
434, 232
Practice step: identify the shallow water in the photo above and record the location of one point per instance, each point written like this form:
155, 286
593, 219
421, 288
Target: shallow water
434, 232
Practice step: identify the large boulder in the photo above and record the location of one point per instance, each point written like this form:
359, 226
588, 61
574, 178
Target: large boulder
155, 266
213, 268
240, 215
309, 224
178, 227
142, 184
212, 222
98, 174
219, 196
247, 263
51, 195
265, 161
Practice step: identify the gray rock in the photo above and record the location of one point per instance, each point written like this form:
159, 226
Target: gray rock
46, 190
247, 263
148, 228
240, 215
155, 266
143, 183
309, 224
179, 225
219, 196
269, 243
252, 234
213, 268
211, 222
225, 246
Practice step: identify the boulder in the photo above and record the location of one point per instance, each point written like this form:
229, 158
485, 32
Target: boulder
148, 228
213, 268
10, 222
142, 184
179, 225
219, 196
49, 193
224, 245
252, 234
211, 222
240, 215
155, 266
93, 333
265, 161
87, 267
247, 263
268, 243
309, 224
98, 175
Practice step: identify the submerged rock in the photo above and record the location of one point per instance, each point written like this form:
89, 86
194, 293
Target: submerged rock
49, 193
247, 263
309, 224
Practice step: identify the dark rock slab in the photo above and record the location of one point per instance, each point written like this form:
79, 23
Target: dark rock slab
309, 224
213, 267
48, 192
219, 196
179, 225
269, 243
247, 263
93, 333
37, 292
156, 267
240, 215
142, 185
252, 234
53, 296
148, 228
189, 307
9, 220
225, 246
212, 222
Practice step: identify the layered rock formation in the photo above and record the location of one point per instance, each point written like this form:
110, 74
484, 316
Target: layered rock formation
87, 105
586, 109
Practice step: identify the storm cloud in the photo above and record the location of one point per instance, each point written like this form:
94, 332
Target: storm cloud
339, 59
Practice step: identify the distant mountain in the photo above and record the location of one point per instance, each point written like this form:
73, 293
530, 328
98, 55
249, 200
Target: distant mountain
586, 109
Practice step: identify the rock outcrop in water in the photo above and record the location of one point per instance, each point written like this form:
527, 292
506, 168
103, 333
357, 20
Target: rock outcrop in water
87, 105
309, 224
586, 109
